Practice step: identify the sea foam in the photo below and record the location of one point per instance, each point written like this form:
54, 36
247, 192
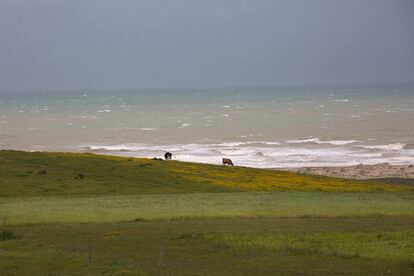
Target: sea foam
262, 154
395, 146
319, 141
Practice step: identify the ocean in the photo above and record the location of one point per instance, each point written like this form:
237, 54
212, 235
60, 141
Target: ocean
255, 127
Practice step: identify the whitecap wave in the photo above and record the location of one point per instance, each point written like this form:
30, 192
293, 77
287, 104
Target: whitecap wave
396, 146
235, 144
319, 141
119, 147
88, 117
184, 125
262, 154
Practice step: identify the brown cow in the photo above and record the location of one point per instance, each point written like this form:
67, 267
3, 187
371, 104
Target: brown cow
227, 161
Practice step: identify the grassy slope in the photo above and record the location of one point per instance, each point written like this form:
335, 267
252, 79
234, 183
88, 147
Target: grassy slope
299, 228
108, 175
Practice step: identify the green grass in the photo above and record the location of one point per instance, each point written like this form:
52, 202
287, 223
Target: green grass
389, 246
312, 246
109, 175
209, 220
204, 205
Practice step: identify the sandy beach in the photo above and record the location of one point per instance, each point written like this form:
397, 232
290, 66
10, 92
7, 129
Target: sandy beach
382, 170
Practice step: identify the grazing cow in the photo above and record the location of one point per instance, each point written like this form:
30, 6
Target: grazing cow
168, 156
227, 161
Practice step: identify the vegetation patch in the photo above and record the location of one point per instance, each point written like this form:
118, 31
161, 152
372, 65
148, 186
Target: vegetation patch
99, 209
388, 246
7, 234
82, 174
285, 246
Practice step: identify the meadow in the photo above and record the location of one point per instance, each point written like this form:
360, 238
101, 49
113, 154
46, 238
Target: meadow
281, 204
28, 174
85, 214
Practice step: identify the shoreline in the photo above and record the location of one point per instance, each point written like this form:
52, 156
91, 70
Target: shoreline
360, 171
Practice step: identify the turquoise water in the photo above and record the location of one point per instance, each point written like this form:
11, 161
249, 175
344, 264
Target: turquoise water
259, 127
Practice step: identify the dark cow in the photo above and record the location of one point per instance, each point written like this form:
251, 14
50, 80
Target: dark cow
227, 161
168, 156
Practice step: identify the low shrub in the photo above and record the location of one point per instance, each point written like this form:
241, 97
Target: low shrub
7, 235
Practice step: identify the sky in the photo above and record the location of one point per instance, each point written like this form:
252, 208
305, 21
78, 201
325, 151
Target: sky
92, 44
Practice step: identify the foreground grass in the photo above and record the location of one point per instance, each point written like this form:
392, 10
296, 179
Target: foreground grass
310, 246
387, 246
204, 205
43, 174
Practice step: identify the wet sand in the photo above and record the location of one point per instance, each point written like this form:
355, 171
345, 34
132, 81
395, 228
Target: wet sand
382, 170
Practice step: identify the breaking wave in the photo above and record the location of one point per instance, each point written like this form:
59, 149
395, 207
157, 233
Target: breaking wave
319, 141
396, 146
269, 154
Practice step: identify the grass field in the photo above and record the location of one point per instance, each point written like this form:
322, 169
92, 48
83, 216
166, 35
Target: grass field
310, 246
280, 204
109, 175
130, 216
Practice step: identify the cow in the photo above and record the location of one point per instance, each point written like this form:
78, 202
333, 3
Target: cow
168, 156
227, 161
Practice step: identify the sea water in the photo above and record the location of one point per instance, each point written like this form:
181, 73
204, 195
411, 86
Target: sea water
257, 127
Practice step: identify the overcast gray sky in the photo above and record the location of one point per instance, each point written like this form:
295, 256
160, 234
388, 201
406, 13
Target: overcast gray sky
149, 43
